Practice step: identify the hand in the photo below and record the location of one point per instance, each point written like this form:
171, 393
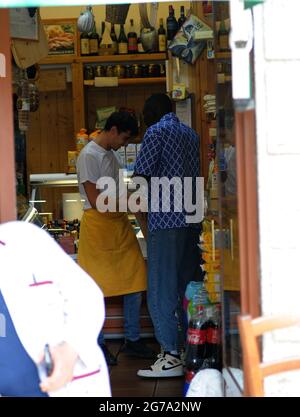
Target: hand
64, 358
142, 219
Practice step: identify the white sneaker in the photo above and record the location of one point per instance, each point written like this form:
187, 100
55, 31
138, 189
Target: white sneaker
165, 366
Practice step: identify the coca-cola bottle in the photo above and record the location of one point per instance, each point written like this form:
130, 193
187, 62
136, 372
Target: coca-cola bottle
213, 342
195, 354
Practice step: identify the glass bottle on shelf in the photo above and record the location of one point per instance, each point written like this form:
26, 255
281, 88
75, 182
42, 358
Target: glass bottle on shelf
223, 37
114, 38
94, 41
162, 37
182, 17
123, 42
172, 25
139, 42
101, 33
84, 44
132, 39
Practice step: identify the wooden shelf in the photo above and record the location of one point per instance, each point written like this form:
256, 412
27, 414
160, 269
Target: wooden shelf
222, 55
122, 58
63, 59
66, 59
131, 81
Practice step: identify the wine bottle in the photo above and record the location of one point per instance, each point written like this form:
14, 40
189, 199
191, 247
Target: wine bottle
172, 25
94, 41
139, 42
161, 37
182, 18
123, 42
223, 37
114, 38
102, 32
84, 44
132, 39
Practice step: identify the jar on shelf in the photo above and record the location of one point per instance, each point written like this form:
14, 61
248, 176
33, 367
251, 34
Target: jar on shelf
88, 72
145, 71
162, 70
129, 71
154, 70
137, 71
120, 71
100, 71
110, 71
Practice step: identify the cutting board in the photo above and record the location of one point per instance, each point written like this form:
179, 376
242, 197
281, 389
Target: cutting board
27, 52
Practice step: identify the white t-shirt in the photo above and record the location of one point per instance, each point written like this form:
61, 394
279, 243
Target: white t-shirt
93, 163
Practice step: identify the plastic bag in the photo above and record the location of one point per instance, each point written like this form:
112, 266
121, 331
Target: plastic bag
190, 41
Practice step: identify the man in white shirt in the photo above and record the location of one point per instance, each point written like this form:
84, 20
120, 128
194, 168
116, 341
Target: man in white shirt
108, 248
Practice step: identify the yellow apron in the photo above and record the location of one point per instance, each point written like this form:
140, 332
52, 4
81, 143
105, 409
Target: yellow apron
109, 252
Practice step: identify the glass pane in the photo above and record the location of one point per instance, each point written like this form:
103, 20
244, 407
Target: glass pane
228, 218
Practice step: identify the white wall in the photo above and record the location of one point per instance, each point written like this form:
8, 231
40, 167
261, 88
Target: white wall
277, 70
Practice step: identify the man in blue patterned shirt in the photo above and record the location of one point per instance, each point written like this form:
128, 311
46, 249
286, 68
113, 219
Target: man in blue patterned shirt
170, 153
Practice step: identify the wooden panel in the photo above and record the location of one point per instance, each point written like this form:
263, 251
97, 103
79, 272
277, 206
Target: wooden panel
52, 80
78, 98
7, 159
132, 97
50, 135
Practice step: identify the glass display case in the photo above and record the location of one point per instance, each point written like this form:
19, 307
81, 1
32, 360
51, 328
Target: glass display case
228, 214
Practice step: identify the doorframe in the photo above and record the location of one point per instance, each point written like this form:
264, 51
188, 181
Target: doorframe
248, 219
248, 212
8, 209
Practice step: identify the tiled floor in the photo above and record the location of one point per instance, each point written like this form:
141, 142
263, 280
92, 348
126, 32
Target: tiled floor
126, 383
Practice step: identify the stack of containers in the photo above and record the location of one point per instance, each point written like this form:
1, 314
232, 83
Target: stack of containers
211, 261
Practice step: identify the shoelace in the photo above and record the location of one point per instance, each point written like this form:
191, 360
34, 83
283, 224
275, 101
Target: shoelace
160, 358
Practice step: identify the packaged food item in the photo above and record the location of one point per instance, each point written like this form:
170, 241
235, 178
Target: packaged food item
212, 267
212, 287
213, 278
72, 159
103, 114
130, 156
81, 139
94, 134
211, 257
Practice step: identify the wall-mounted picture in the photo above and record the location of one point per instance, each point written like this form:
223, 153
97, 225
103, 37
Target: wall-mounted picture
62, 36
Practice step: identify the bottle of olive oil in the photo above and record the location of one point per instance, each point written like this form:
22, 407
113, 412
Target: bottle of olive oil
162, 38
84, 44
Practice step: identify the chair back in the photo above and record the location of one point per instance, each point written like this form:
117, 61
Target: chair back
255, 369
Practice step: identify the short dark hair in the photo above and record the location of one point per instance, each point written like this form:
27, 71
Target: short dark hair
123, 121
156, 106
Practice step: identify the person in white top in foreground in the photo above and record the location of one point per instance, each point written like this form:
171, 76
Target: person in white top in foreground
49, 300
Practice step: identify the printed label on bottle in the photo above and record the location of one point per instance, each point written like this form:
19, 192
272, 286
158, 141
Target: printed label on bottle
93, 46
189, 375
85, 46
123, 48
224, 42
213, 336
196, 337
132, 44
162, 43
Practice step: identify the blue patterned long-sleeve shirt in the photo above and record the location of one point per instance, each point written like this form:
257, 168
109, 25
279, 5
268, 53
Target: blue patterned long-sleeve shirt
170, 149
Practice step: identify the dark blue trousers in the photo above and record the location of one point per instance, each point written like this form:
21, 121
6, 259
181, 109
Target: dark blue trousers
18, 372
173, 261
